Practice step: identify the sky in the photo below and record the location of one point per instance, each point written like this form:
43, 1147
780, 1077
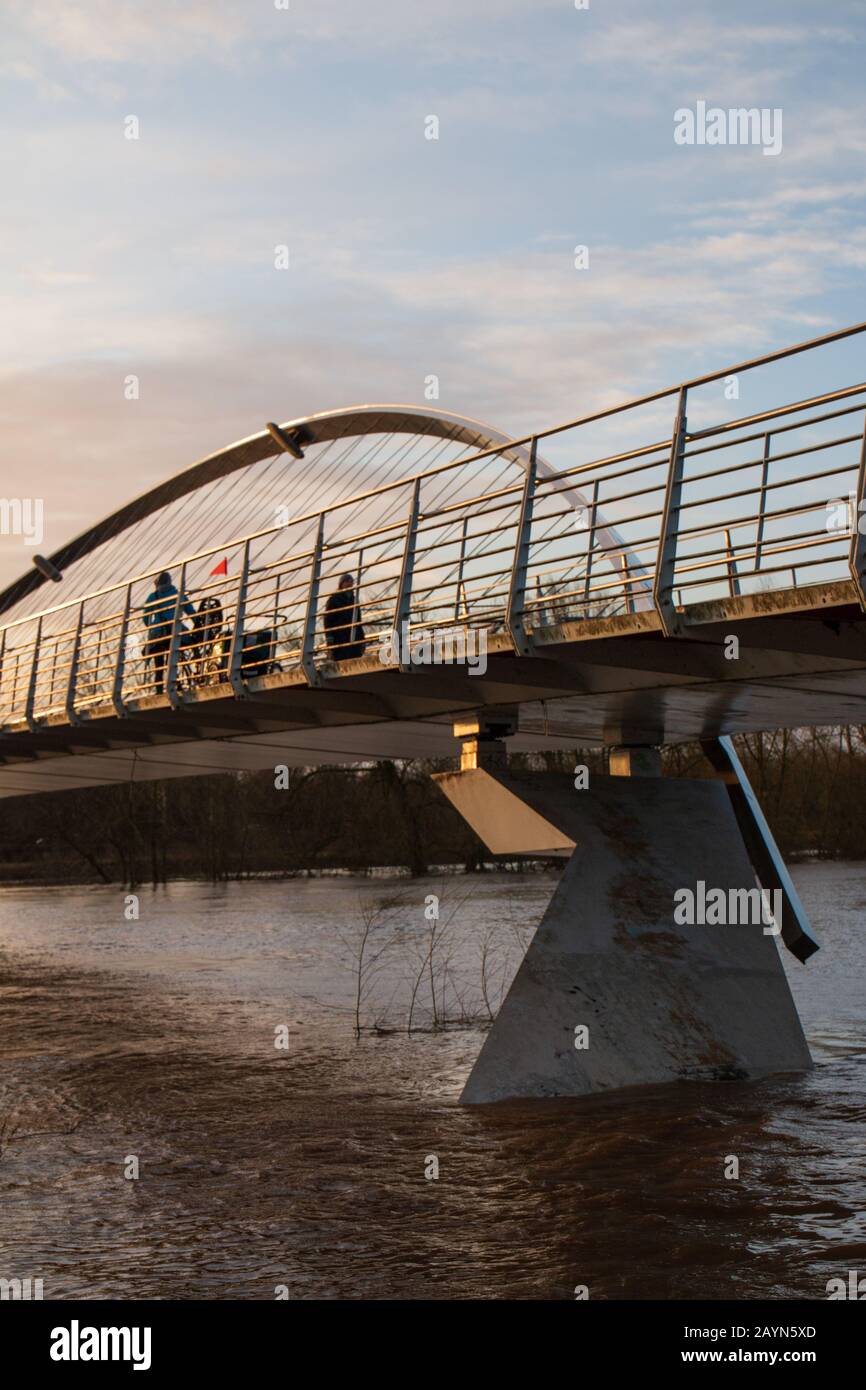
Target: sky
262, 125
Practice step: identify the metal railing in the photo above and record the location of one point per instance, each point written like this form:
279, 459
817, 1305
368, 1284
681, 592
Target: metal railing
719, 512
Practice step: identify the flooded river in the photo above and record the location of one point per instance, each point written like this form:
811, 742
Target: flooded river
210, 1043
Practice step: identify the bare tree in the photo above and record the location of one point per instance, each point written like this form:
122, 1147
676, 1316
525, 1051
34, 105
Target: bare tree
368, 948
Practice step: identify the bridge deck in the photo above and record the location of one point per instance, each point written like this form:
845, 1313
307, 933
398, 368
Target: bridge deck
802, 660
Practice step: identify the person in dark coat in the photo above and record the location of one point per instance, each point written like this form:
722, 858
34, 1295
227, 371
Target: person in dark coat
343, 631
159, 611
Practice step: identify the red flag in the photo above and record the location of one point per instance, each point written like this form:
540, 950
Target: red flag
222, 568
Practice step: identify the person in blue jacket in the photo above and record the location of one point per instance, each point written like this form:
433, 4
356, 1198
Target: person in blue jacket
158, 619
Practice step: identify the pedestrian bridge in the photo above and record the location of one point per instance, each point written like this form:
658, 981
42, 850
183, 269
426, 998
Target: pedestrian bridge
687, 565
674, 567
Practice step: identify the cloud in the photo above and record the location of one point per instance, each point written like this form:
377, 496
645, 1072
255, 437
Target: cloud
713, 49
46, 87
103, 31
170, 33
519, 342
408, 257
55, 279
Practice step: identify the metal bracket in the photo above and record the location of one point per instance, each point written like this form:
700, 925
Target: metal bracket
289, 443
768, 863
663, 587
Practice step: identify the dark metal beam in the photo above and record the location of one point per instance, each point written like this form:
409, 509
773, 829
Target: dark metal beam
763, 851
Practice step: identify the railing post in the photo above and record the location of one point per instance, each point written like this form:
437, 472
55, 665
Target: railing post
403, 601
358, 608
731, 565
120, 661
277, 583
626, 584
590, 541
53, 672
458, 587
174, 644
857, 557
762, 503
236, 656
514, 613
663, 587
541, 612
73, 668
308, 645
94, 685
31, 684
16, 675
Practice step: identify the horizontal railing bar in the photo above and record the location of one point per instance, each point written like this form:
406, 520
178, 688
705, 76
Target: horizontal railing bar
546, 482
778, 411
781, 429
774, 458
641, 572
606, 523
778, 545
802, 540
620, 496
798, 509
770, 569
771, 487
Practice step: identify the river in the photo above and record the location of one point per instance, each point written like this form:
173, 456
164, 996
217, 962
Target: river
211, 1040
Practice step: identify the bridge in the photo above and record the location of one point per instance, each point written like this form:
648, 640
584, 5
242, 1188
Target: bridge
661, 570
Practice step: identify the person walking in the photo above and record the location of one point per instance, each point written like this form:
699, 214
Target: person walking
344, 633
158, 618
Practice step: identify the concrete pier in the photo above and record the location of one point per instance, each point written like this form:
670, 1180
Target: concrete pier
613, 991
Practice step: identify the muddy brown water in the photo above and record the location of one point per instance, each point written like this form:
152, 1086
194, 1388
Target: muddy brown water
259, 1167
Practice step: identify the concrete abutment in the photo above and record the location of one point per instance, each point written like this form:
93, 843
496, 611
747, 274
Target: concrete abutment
614, 991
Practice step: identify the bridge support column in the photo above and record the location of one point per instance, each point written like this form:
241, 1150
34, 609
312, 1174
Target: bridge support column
618, 987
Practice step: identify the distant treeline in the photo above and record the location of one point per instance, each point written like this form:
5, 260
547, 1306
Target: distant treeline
810, 782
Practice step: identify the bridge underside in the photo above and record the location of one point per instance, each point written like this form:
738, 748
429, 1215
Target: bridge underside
801, 660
